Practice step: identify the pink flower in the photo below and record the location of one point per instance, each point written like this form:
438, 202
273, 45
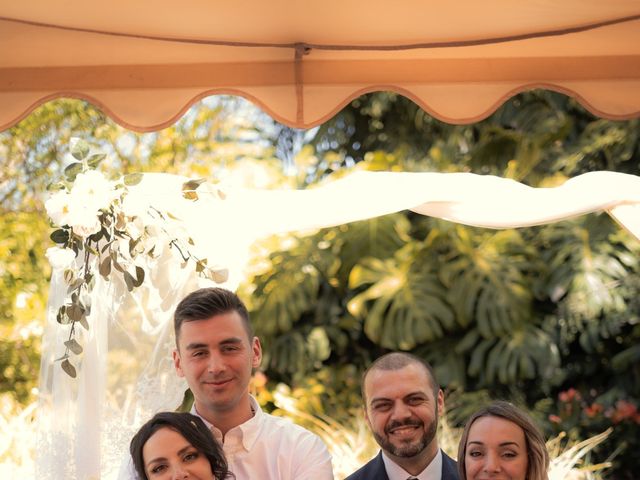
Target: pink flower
624, 410
569, 395
555, 419
593, 410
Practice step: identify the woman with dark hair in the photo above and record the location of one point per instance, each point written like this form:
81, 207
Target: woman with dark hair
502, 441
177, 445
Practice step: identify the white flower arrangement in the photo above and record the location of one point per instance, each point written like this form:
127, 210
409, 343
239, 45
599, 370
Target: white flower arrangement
98, 225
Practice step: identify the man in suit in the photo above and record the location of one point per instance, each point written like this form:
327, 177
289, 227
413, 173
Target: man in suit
402, 403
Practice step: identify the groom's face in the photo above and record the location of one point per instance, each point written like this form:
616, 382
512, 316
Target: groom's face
217, 357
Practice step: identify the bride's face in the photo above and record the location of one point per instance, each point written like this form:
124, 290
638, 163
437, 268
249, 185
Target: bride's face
168, 455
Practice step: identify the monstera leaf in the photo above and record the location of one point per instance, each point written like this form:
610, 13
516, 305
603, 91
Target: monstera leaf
587, 261
404, 303
378, 237
527, 353
593, 269
486, 277
289, 288
299, 351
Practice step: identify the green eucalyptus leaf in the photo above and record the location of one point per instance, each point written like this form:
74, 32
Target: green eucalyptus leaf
192, 184
96, 237
219, 276
116, 264
56, 187
68, 368
74, 346
139, 277
105, 267
69, 276
75, 312
132, 245
132, 179
72, 170
83, 321
61, 317
60, 236
94, 160
106, 246
190, 195
129, 280
79, 149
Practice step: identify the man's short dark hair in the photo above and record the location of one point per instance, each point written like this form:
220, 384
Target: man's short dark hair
208, 302
397, 361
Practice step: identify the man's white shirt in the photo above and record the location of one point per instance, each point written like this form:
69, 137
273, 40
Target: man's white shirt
266, 447
396, 472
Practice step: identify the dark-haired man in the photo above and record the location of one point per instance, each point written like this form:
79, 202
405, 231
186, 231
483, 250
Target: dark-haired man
216, 352
402, 403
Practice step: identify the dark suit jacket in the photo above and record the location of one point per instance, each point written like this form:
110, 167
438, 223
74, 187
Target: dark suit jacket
374, 470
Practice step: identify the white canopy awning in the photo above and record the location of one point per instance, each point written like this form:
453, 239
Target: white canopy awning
145, 62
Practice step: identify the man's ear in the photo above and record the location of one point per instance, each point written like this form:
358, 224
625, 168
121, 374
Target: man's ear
440, 402
256, 349
366, 415
176, 362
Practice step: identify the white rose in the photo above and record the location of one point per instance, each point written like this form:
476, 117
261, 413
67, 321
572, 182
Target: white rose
58, 207
83, 218
95, 191
60, 258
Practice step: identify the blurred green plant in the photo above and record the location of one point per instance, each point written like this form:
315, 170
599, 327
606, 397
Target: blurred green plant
522, 314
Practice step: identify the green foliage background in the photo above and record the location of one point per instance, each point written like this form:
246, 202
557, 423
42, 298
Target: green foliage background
528, 314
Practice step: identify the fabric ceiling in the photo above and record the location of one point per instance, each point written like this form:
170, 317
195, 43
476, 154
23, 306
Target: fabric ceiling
145, 63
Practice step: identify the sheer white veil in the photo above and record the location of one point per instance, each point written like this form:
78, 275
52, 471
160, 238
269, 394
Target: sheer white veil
126, 374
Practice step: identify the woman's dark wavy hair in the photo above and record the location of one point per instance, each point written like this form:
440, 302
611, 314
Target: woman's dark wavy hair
193, 429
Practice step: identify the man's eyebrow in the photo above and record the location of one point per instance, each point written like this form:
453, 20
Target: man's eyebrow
195, 346
377, 399
231, 341
408, 395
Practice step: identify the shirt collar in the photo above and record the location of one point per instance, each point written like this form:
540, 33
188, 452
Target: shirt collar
433, 471
246, 433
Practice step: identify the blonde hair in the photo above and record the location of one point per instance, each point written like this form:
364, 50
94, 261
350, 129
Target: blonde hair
537, 455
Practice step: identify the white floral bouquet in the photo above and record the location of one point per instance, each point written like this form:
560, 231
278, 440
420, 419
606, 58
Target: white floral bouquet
100, 225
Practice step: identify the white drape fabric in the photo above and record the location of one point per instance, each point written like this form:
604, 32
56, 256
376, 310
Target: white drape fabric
125, 373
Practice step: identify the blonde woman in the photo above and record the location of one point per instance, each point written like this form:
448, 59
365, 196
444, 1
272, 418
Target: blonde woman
500, 441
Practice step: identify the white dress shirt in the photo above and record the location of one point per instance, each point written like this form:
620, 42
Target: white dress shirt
266, 447
396, 472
